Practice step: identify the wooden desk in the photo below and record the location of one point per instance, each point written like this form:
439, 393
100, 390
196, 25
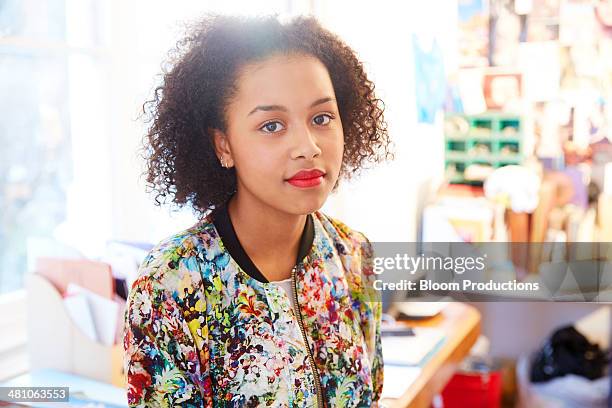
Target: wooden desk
461, 322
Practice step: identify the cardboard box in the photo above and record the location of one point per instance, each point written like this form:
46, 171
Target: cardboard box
55, 342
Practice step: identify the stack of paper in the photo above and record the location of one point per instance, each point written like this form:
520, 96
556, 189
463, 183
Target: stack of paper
397, 379
411, 350
94, 314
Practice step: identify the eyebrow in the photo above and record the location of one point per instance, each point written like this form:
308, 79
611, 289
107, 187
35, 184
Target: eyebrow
267, 108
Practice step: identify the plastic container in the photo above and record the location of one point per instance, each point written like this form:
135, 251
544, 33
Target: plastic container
478, 389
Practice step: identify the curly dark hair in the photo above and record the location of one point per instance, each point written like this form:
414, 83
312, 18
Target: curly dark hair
200, 80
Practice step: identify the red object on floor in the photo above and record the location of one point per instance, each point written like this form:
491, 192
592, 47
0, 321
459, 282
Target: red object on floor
474, 390
461, 190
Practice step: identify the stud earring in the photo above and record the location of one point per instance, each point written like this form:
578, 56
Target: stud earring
224, 163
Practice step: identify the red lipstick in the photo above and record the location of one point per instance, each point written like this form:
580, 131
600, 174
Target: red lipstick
307, 178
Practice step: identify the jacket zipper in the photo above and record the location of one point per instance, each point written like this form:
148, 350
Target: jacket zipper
313, 367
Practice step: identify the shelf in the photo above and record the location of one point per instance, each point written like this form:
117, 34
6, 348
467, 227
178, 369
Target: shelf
466, 157
494, 137
482, 141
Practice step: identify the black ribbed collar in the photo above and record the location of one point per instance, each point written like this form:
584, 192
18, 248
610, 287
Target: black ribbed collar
223, 224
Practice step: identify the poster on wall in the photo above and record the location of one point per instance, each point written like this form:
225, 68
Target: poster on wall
543, 21
473, 33
503, 90
430, 79
578, 24
506, 29
540, 63
603, 14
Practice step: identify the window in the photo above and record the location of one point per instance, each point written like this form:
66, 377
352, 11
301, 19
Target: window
52, 74
74, 76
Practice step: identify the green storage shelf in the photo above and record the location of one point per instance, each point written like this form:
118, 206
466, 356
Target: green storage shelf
491, 138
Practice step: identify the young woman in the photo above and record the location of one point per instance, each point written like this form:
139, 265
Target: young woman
265, 301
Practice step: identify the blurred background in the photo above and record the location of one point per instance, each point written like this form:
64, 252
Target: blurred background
500, 112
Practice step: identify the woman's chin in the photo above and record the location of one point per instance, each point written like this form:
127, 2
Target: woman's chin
304, 203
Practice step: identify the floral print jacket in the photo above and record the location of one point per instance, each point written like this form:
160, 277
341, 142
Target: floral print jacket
204, 328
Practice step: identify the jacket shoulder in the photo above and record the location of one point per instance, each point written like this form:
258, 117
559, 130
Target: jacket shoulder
165, 327
353, 246
339, 230
173, 262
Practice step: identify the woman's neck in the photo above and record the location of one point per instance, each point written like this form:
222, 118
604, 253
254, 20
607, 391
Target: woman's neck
270, 237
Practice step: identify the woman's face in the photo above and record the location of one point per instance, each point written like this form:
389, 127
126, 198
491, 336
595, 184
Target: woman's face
283, 119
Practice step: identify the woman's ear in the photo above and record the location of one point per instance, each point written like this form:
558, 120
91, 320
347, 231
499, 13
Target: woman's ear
222, 147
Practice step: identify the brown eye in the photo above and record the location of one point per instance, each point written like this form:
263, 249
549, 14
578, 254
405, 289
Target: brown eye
322, 120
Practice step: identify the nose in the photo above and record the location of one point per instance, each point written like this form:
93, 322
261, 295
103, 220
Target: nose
305, 144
